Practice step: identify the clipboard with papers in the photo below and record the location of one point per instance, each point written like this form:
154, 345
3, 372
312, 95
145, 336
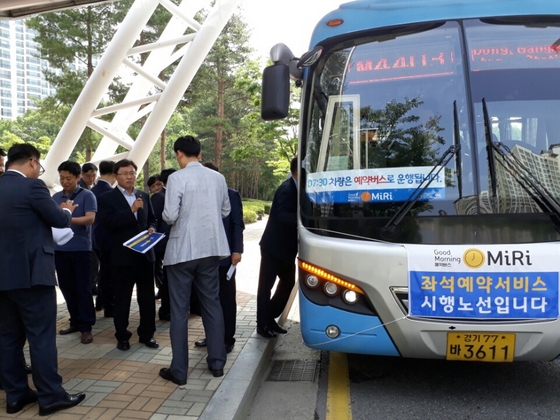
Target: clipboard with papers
144, 241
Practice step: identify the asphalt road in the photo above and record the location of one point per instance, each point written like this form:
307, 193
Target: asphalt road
391, 388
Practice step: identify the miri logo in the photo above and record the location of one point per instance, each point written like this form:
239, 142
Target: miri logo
475, 258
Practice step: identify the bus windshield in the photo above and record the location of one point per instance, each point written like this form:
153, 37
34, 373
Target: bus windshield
398, 118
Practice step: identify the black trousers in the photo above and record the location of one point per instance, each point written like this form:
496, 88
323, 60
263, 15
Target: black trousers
29, 313
161, 283
73, 272
271, 267
140, 274
106, 292
229, 304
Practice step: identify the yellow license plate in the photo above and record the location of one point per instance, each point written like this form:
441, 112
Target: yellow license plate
480, 347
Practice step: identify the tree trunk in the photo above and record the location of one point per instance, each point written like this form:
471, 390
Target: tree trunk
220, 128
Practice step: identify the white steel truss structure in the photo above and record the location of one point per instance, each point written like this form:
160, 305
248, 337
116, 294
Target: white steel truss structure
148, 96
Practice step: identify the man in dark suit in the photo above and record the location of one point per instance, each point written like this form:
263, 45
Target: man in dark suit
158, 202
234, 226
87, 181
89, 176
125, 212
2, 161
278, 252
27, 284
100, 236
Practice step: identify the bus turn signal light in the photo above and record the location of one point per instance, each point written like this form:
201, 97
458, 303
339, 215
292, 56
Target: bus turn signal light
322, 274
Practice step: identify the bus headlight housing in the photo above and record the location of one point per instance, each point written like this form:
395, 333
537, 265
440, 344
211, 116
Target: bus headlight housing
312, 281
350, 297
331, 289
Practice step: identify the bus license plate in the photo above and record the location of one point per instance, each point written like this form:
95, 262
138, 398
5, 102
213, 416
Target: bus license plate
480, 347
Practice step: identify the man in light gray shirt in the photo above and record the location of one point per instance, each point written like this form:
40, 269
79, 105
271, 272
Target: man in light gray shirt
195, 203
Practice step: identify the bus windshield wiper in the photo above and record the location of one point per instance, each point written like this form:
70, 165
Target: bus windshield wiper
417, 193
489, 152
457, 143
531, 184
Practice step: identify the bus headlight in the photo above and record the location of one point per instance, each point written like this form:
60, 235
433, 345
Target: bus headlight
312, 281
350, 297
331, 289
332, 331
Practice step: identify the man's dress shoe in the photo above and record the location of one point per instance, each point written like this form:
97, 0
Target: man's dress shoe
166, 374
200, 343
151, 343
28, 369
68, 401
68, 330
265, 332
216, 373
87, 337
17, 406
277, 328
229, 348
123, 345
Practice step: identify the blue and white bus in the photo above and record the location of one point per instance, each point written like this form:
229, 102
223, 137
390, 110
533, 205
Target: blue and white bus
429, 188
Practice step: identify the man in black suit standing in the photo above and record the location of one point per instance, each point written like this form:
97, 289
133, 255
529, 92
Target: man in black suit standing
125, 212
100, 236
27, 284
158, 202
278, 252
89, 176
2, 161
234, 226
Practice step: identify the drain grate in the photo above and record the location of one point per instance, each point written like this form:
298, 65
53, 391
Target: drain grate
294, 371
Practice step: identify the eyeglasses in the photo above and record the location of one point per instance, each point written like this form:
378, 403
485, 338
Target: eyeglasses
127, 174
41, 170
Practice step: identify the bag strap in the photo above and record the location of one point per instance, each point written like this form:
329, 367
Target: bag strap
73, 196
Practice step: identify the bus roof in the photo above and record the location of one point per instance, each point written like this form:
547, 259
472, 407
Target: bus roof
361, 15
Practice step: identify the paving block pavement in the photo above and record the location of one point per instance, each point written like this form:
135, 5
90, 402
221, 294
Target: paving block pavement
126, 385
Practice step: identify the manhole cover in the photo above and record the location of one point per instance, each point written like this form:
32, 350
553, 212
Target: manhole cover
294, 371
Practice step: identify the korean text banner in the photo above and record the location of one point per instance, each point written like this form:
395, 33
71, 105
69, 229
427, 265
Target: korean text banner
484, 281
374, 185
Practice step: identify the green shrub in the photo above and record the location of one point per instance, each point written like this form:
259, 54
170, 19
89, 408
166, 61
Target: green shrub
267, 207
249, 216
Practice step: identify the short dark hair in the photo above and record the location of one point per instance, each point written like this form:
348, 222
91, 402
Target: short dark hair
293, 165
71, 167
211, 165
106, 167
153, 179
20, 153
122, 164
189, 145
2, 152
86, 167
164, 176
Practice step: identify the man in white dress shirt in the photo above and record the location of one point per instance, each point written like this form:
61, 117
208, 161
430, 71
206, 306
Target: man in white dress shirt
195, 203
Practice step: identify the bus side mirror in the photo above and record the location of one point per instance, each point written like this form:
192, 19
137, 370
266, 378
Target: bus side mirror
275, 99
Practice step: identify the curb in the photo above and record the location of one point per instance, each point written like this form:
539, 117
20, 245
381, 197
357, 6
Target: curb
233, 398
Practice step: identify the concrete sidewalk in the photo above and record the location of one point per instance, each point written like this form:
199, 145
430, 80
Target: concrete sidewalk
126, 385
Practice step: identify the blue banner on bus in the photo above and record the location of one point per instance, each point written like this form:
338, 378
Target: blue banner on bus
492, 281
375, 185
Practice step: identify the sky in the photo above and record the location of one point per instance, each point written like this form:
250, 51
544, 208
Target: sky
288, 21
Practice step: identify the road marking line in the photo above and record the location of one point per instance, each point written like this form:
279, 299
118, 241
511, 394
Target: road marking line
338, 391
